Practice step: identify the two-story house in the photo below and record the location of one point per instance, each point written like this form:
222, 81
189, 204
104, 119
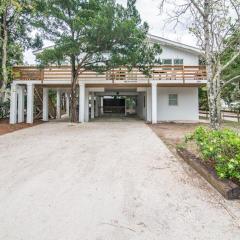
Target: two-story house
170, 94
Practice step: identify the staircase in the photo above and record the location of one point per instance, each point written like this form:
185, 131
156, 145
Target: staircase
38, 103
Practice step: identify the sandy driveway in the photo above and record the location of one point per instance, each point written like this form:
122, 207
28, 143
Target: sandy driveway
104, 181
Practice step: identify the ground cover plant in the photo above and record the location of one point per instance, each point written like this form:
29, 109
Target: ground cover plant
219, 149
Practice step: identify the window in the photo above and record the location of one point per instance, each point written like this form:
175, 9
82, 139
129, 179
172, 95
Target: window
178, 61
172, 99
167, 61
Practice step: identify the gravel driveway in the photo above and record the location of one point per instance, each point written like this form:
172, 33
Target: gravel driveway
104, 181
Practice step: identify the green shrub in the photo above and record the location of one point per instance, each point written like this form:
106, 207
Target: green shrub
221, 147
4, 109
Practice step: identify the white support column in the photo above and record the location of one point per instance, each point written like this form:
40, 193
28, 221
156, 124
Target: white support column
96, 106
125, 113
101, 106
149, 104
30, 102
45, 104
13, 104
81, 102
20, 91
86, 105
67, 104
154, 103
58, 104
92, 105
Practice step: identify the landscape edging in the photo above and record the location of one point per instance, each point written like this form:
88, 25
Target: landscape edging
227, 188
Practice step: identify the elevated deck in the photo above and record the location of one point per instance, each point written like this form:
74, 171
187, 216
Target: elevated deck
163, 74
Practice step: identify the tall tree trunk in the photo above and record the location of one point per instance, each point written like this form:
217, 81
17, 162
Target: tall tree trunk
214, 113
218, 96
211, 85
1, 38
73, 113
4, 57
215, 101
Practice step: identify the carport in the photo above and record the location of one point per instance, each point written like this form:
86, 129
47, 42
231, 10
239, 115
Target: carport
114, 103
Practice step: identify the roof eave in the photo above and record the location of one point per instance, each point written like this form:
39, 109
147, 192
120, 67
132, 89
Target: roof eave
174, 44
162, 41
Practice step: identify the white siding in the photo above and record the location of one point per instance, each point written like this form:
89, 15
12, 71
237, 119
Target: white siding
174, 53
187, 108
141, 110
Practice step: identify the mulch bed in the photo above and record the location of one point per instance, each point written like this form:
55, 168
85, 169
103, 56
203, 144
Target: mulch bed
5, 127
173, 134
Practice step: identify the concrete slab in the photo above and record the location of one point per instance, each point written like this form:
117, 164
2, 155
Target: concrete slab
104, 181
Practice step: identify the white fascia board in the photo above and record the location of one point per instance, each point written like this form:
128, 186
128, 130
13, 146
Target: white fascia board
56, 81
116, 93
167, 42
27, 82
40, 50
157, 39
141, 89
96, 89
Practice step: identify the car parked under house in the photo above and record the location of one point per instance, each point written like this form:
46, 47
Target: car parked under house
170, 94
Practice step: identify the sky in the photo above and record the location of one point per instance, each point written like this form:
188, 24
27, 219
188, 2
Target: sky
159, 26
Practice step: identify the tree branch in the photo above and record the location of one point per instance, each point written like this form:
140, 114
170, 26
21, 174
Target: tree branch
236, 78
197, 7
231, 61
79, 66
236, 8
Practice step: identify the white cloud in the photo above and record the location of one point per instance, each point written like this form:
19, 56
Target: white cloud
149, 10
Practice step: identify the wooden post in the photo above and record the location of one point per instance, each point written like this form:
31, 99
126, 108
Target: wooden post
183, 74
30, 102
58, 104
20, 100
82, 102
42, 75
45, 105
13, 104
154, 102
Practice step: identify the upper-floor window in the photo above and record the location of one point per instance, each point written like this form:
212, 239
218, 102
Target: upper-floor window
167, 61
178, 61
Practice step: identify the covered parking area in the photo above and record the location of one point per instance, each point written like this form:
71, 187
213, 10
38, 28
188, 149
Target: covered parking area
98, 103
30, 101
114, 103
149, 102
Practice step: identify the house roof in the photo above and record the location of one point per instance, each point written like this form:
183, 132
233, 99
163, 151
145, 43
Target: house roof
166, 42
162, 41
41, 49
